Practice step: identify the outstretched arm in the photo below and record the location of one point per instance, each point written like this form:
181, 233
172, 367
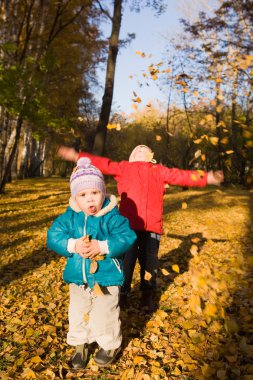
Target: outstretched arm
102, 163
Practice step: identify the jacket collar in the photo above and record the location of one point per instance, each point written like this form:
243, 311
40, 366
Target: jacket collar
107, 208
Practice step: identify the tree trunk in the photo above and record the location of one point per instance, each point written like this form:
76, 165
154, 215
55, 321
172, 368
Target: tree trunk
99, 142
3, 139
7, 169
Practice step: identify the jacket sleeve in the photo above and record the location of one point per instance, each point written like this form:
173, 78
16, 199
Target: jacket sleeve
104, 164
58, 235
174, 176
121, 237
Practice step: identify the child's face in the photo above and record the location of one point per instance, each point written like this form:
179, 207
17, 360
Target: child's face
90, 201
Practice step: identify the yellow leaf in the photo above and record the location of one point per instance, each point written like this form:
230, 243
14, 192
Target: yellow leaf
139, 359
28, 374
224, 140
247, 134
229, 151
210, 310
86, 318
165, 272
195, 304
147, 276
138, 99
184, 205
218, 80
220, 97
194, 177
185, 90
36, 359
195, 240
209, 117
175, 268
249, 144
158, 138
97, 290
203, 157
219, 108
214, 140
194, 250
198, 141
195, 93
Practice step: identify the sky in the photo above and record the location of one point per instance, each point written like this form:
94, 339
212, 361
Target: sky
152, 36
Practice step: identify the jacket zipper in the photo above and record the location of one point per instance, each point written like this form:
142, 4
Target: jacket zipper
83, 260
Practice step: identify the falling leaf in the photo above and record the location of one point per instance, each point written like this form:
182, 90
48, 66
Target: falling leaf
194, 177
209, 117
224, 140
249, 144
247, 134
184, 205
165, 272
214, 140
175, 268
219, 108
147, 276
198, 141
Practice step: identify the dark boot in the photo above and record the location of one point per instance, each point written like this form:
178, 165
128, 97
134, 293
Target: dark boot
105, 357
80, 357
147, 301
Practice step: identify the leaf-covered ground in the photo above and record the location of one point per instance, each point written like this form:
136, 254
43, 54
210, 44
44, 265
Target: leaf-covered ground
203, 327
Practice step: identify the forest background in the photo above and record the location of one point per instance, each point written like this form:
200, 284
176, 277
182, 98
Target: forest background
50, 54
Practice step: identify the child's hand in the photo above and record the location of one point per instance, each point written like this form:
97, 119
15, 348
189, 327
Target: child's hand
67, 153
87, 249
215, 178
80, 247
92, 250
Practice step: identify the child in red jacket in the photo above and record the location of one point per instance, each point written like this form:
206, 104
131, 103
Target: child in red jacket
141, 185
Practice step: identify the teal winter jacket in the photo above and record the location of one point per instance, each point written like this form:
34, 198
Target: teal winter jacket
107, 225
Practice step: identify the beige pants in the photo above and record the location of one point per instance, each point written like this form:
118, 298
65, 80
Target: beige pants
94, 318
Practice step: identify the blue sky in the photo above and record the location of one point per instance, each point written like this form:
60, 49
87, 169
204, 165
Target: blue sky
152, 37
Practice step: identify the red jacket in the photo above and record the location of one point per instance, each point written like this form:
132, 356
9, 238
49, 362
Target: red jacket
141, 188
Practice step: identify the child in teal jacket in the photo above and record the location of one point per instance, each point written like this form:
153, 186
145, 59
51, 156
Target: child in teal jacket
94, 237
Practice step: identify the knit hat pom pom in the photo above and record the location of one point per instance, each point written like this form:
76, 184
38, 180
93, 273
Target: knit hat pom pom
83, 162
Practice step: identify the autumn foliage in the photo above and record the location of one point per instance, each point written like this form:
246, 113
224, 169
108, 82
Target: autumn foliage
202, 328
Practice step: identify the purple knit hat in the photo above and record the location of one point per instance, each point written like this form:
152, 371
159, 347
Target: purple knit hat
86, 176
